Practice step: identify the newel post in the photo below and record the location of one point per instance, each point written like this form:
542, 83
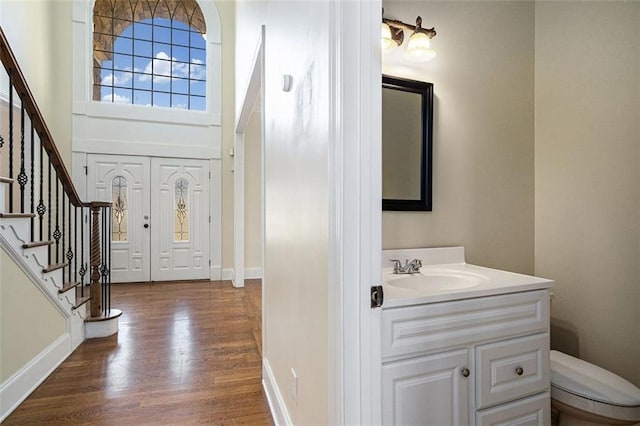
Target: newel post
96, 299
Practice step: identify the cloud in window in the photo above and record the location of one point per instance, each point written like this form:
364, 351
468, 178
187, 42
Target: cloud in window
117, 99
117, 79
163, 68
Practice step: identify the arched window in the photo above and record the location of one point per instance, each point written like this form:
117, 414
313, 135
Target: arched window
150, 52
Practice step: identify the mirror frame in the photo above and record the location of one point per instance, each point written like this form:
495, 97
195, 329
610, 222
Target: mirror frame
424, 203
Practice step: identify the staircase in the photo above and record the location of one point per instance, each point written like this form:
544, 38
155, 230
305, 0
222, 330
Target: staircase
59, 242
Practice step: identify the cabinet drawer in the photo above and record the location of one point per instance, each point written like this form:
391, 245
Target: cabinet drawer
511, 369
439, 326
533, 411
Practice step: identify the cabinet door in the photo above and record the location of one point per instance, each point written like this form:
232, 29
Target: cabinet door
533, 411
428, 390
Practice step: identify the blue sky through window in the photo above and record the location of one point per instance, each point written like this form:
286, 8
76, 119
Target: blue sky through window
156, 62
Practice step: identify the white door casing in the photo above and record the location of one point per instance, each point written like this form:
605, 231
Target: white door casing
172, 258
150, 251
130, 258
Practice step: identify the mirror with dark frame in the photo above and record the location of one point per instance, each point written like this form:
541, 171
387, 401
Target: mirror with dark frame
407, 116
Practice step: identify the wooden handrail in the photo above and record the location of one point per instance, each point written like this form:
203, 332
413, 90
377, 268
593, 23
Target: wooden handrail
20, 83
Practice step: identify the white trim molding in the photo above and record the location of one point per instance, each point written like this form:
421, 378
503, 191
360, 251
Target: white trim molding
274, 396
355, 243
19, 386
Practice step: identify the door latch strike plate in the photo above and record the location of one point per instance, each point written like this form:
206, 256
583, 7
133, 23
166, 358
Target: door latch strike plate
377, 296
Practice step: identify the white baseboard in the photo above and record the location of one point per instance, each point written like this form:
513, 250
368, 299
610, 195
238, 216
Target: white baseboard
227, 274
215, 273
274, 396
253, 273
249, 273
19, 386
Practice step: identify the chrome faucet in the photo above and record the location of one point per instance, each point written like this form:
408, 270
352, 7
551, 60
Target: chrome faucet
412, 267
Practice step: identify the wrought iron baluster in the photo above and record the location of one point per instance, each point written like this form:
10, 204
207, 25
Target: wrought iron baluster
83, 267
33, 183
22, 176
110, 223
62, 233
69, 250
49, 209
56, 233
41, 209
10, 139
103, 266
75, 244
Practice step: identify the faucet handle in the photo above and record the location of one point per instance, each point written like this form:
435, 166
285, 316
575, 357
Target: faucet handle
396, 265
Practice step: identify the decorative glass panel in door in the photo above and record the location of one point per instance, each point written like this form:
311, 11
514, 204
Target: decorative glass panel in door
119, 210
181, 226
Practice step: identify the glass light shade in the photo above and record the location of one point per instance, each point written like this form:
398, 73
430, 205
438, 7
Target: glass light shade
419, 48
387, 39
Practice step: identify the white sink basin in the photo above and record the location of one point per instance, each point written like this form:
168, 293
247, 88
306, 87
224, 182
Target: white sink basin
437, 280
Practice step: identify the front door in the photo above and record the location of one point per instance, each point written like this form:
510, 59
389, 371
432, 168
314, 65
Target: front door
160, 215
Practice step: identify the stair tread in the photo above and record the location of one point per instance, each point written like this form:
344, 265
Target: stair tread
81, 301
55, 267
35, 244
68, 286
5, 180
16, 215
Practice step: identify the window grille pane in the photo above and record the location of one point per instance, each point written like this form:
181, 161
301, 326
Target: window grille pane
197, 40
142, 97
180, 53
123, 45
161, 99
180, 101
161, 34
121, 96
181, 223
198, 88
180, 37
197, 103
143, 31
180, 86
119, 212
198, 72
142, 48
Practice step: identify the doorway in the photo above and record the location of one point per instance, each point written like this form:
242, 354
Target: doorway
160, 216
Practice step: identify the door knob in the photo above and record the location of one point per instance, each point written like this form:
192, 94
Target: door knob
146, 225
465, 372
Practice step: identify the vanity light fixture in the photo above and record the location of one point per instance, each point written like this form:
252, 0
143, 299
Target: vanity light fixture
419, 44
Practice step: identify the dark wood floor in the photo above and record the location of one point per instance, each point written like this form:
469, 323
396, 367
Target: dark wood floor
186, 353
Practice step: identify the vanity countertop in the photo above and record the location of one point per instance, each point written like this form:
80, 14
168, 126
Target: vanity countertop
445, 276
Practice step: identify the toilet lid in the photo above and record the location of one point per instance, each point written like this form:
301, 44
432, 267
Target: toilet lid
590, 381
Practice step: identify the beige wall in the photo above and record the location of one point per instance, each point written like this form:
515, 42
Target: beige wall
227, 10
39, 32
296, 246
296, 147
24, 311
252, 195
483, 181
588, 176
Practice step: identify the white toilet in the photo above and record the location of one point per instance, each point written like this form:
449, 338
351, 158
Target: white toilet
584, 394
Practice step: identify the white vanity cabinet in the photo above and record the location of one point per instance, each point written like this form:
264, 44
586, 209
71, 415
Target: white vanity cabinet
478, 361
